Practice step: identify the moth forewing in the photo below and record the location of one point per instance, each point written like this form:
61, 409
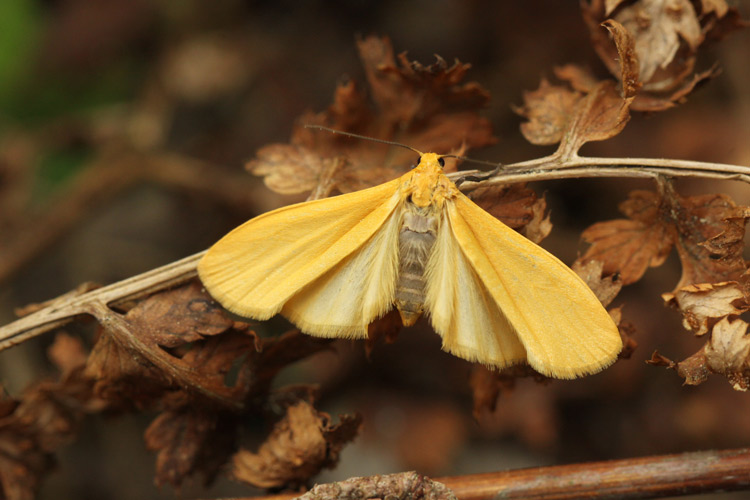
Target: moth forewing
256, 268
562, 325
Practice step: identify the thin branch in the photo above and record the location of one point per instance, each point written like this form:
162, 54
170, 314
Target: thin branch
555, 167
67, 307
633, 478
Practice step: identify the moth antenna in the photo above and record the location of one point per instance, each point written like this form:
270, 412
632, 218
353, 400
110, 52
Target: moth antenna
497, 166
358, 136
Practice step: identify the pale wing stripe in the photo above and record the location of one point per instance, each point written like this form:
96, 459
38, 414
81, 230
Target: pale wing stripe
342, 302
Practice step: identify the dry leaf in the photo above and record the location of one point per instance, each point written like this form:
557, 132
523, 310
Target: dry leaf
386, 328
605, 288
594, 111
45, 417
518, 207
707, 231
132, 366
487, 385
189, 441
428, 108
548, 111
703, 304
300, 445
727, 352
629, 246
627, 332
667, 35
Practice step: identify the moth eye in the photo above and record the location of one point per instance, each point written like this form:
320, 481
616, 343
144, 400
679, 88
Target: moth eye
441, 162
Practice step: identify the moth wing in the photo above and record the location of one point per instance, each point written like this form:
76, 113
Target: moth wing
462, 310
562, 325
313, 261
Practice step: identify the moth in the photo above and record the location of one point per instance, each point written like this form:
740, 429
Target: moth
416, 243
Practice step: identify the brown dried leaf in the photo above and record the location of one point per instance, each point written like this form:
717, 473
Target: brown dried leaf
386, 328
46, 417
300, 445
123, 378
703, 304
711, 231
67, 353
707, 230
518, 207
428, 108
189, 441
602, 114
627, 333
667, 35
728, 350
487, 385
179, 316
605, 288
694, 369
579, 78
131, 366
557, 114
549, 111
629, 246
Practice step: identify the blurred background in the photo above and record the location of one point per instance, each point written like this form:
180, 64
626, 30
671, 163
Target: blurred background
124, 129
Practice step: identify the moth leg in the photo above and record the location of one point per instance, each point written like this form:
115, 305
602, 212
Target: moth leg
478, 178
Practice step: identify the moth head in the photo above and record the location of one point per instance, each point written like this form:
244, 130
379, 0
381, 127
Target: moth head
431, 161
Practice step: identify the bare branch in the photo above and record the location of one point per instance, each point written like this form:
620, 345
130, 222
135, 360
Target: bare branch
648, 477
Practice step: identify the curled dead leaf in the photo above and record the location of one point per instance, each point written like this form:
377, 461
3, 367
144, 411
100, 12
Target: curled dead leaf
300, 445
703, 304
666, 39
728, 350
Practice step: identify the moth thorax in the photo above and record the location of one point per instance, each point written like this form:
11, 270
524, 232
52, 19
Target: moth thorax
415, 241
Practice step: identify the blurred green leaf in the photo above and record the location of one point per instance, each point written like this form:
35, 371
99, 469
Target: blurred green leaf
20, 24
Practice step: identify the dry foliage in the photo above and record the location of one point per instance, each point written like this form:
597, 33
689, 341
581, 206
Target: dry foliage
177, 352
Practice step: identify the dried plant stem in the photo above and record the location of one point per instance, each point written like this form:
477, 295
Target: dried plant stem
549, 167
62, 310
557, 167
649, 477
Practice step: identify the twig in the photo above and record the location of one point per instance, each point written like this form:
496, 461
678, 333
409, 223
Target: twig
62, 311
649, 477
555, 167
550, 167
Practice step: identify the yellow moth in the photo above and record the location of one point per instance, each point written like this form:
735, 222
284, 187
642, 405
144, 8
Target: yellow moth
334, 265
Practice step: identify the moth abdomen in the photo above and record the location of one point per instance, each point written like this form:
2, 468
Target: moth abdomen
415, 242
